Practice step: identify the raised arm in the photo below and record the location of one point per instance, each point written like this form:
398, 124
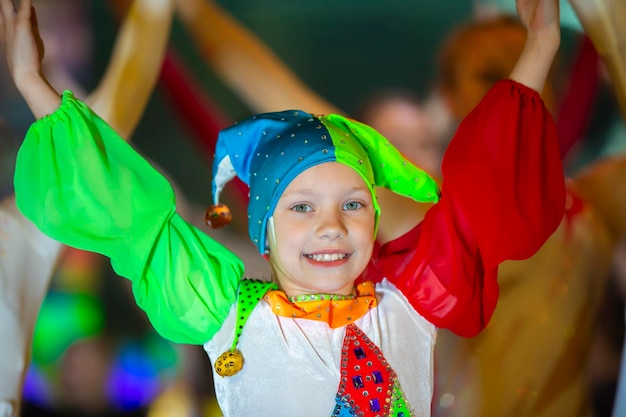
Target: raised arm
245, 63
502, 196
134, 66
120, 205
129, 79
128, 82
24, 52
603, 183
541, 19
603, 22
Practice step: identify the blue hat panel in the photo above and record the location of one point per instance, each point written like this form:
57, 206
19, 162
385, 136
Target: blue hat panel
301, 142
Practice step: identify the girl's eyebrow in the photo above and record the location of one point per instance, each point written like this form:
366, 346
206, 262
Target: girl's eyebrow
319, 189
308, 192
298, 191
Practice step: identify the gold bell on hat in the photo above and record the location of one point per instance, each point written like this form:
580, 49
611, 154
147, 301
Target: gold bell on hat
218, 215
229, 363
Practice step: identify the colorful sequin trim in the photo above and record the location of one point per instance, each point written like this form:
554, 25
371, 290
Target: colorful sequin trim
337, 312
321, 297
250, 293
368, 385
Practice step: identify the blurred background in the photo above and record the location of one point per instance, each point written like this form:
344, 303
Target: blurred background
343, 50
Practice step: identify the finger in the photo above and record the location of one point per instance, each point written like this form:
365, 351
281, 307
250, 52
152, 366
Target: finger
25, 8
3, 16
6, 9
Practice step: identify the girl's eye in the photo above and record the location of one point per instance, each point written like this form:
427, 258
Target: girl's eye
352, 205
302, 208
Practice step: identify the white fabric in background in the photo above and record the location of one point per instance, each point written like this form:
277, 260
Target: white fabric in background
27, 259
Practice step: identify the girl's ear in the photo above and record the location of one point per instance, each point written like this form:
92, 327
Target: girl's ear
270, 235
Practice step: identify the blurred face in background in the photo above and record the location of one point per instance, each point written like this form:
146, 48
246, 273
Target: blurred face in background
400, 117
475, 57
407, 125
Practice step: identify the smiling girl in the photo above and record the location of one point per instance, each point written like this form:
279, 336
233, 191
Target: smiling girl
345, 327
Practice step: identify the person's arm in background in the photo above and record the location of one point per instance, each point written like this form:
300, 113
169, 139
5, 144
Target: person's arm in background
603, 22
128, 82
134, 66
265, 83
602, 184
245, 63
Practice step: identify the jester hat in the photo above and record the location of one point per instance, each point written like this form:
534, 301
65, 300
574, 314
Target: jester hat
269, 150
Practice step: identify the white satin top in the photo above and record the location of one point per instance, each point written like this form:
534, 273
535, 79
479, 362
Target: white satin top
292, 366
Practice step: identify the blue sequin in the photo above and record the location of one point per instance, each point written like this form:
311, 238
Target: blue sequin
359, 353
357, 381
374, 405
378, 377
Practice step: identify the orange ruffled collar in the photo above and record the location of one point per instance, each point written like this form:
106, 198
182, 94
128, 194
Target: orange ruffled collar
325, 307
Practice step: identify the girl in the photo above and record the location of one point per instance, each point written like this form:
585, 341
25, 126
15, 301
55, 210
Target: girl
337, 331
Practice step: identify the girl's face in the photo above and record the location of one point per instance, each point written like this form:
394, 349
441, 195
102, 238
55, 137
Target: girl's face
322, 234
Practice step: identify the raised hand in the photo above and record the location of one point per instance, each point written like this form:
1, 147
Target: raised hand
24, 52
24, 48
541, 18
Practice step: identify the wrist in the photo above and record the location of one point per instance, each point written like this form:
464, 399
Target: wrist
544, 45
534, 63
39, 95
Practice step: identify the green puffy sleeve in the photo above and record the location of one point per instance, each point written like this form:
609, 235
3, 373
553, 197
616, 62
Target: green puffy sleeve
83, 185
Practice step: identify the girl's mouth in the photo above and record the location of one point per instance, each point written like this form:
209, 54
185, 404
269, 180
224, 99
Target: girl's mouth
327, 257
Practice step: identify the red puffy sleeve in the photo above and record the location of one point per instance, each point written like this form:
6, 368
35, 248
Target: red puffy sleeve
503, 195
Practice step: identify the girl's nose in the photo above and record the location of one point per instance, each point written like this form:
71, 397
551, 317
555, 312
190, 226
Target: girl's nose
331, 226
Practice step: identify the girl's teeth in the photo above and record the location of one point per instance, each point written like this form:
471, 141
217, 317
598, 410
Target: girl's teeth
327, 257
